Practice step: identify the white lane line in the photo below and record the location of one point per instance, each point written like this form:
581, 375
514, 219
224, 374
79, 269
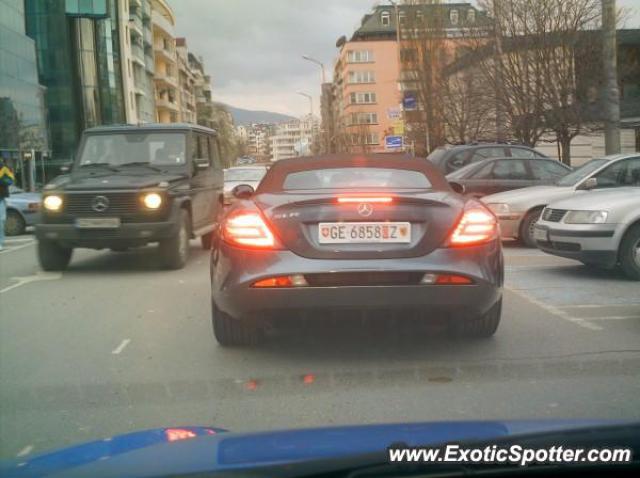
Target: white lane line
17, 248
40, 276
11, 240
615, 317
121, 347
555, 311
597, 306
25, 451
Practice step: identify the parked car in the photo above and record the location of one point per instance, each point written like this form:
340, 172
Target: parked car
496, 175
23, 210
601, 228
318, 234
450, 158
131, 186
519, 210
251, 175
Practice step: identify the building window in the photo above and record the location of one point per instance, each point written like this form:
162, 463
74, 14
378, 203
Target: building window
408, 55
359, 56
367, 138
362, 118
471, 15
362, 77
362, 98
402, 18
385, 18
419, 17
454, 17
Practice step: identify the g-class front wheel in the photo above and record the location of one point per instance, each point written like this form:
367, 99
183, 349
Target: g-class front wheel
174, 252
53, 257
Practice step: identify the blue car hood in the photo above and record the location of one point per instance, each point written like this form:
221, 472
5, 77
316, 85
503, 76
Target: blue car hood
169, 451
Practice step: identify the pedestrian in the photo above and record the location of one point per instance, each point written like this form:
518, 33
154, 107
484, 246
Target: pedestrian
6, 180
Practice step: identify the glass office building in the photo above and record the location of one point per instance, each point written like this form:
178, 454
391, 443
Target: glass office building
78, 55
23, 127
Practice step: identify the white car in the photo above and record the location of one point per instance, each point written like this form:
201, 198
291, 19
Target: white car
519, 210
235, 176
601, 228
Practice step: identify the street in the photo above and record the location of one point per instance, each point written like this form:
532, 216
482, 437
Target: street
114, 345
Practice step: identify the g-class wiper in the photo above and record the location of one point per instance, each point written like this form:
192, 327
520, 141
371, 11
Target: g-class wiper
101, 165
142, 163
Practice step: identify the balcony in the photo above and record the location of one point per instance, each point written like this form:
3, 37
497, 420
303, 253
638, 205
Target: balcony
147, 36
149, 64
166, 104
135, 25
137, 54
165, 53
162, 24
166, 79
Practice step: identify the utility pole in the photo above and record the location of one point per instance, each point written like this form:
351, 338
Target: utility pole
611, 94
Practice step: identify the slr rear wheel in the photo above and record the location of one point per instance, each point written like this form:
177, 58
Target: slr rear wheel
53, 257
484, 326
229, 331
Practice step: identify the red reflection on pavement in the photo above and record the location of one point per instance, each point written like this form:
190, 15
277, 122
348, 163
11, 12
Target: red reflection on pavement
251, 385
308, 378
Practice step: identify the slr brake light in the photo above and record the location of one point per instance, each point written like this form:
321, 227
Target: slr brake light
477, 226
248, 229
359, 199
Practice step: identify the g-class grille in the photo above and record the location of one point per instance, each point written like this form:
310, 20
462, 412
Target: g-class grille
107, 204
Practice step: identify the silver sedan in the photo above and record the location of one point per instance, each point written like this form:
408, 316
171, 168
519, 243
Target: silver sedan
518, 210
600, 228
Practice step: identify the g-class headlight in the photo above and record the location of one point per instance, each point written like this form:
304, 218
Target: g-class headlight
52, 202
152, 200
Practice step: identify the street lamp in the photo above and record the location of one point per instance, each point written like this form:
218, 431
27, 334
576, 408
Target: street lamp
310, 98
317, 62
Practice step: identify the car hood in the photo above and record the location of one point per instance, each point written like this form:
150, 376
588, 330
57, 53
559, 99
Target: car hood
117, 180
229, 185
24, 197
607, 199
530, 197
152, 453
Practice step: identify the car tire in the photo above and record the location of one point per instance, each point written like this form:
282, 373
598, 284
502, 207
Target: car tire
629, 255
482, 327
229, 331
174, 252
14, 224
206, 240
526, 228
53, 257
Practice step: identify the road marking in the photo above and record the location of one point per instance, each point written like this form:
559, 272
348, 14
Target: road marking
121, 347
555, 311
25, 451
597, 306
17, 248
18, 239
615, 317
40, 276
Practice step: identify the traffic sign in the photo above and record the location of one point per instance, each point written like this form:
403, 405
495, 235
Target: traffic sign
393, 142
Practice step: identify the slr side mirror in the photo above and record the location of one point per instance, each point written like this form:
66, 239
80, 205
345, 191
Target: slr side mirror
242, 191
457, 187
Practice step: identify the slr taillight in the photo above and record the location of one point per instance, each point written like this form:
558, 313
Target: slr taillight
476, 226
247, 229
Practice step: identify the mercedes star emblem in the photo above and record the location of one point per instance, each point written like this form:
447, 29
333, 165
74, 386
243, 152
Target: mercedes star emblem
100, 204
365, 209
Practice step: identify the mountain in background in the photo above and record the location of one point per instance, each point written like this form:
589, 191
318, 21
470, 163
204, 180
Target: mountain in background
242, 116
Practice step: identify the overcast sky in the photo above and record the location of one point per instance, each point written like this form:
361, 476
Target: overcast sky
253, 48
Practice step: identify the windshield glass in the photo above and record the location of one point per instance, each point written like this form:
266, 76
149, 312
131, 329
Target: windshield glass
248, 174
161, 149
437, 154
581, 173
464, 171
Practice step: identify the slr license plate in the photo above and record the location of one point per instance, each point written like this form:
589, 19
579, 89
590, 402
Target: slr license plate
98, 222
364, 232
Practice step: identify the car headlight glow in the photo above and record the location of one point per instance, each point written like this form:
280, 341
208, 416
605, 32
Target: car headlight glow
152, 200
499, 208
586, 217
52, 202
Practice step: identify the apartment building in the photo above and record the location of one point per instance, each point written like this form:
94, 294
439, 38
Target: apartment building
138, 64
258, 138
294, 138
187, 83
166, 65
366, 99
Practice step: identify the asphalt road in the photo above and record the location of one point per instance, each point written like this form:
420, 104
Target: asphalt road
115, 345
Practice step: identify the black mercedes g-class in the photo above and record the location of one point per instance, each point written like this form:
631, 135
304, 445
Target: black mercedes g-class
134, 185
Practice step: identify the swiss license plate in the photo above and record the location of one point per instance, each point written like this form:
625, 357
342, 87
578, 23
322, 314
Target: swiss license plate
98, 222
541, 234
364, 232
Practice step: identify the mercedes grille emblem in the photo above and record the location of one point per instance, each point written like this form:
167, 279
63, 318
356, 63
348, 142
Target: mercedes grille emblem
100, 204
365, 209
